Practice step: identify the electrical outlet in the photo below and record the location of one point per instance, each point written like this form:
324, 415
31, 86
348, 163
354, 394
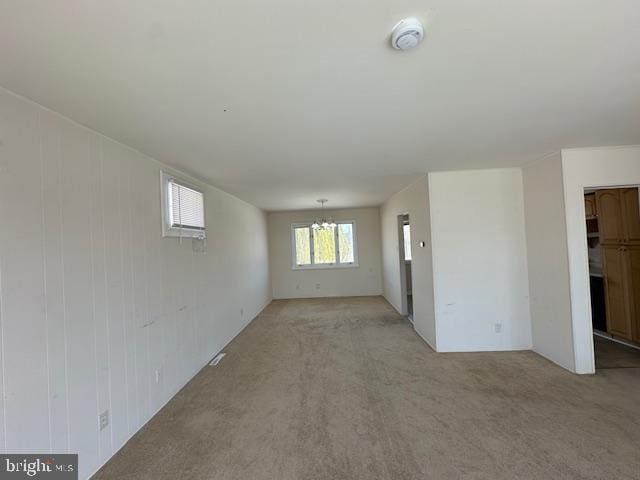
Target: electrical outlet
158, 375
104, 419
317, 286
497, 327
242, 312
298, 287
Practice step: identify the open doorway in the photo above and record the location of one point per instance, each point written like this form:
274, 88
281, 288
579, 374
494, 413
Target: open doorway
404, 249
613, 241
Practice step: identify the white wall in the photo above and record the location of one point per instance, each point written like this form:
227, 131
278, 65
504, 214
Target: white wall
365, 279
413, 200
479, 260
548, 261
93, 300
584, 168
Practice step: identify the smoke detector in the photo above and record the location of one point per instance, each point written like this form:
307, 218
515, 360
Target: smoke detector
407, 34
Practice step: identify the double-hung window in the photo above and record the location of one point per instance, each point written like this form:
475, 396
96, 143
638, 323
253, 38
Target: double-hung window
182, 208
324, 247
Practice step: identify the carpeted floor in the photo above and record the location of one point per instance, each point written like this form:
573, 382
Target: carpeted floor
344, 389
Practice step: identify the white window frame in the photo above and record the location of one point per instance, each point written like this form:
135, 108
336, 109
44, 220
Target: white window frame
407, 224
316, 266
167, 229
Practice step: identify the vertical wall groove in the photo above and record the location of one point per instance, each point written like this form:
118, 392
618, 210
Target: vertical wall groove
64, 294
44, 277
122, 300
93, 285
106, 283
4, 388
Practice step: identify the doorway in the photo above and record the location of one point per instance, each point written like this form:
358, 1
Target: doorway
404, 249
612, 218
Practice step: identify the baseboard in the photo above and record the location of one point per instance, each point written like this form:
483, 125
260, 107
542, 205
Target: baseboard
238, 332
425, 339
395, 307
328, 296
489, 349
555, 362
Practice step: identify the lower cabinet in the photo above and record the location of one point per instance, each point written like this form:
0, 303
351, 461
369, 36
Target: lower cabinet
622, 287
633, 254
618, 318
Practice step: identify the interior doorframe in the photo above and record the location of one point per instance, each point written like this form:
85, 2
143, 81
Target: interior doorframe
404, 307
583, 251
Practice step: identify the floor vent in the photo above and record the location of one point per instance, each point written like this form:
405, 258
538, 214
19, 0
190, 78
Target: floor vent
217, 359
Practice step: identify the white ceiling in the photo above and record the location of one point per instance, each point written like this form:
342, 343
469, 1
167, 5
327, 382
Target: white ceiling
282, 102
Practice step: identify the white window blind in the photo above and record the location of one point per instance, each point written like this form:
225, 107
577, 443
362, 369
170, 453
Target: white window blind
183, 209
186, 206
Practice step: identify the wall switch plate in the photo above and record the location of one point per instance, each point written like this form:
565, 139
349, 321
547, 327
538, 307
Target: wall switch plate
497, 327
104, 419
242, 312
158, 375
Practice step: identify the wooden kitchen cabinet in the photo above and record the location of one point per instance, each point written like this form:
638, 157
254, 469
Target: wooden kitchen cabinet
633, 290
610, 216
615, 284
631, 214
619, 229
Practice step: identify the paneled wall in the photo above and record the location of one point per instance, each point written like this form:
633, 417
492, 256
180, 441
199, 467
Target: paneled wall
98, 311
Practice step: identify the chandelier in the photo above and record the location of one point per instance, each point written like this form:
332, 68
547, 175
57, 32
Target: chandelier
323, 222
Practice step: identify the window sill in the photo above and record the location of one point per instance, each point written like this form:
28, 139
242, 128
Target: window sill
328, 266
184, 233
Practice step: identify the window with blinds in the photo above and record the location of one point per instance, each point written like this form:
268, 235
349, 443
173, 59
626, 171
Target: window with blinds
183, 208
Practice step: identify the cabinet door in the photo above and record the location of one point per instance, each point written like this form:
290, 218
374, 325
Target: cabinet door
633, 290
590, 206
609, 216
618, 321
631, 209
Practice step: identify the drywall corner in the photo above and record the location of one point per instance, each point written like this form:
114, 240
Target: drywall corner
412, 200
547, 258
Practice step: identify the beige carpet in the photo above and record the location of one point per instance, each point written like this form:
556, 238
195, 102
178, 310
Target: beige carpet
344, 389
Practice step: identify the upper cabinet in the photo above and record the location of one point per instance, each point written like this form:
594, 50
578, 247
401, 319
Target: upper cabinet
609, 208
631, 211
590, 206
618, 215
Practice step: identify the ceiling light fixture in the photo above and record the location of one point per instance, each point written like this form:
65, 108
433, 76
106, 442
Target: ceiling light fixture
407, 34
323, 222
